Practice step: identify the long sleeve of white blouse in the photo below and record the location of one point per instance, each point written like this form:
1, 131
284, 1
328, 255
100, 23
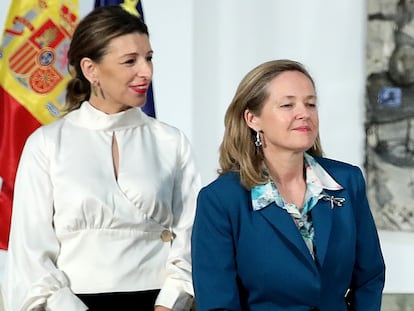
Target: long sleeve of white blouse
32, 280
177, 291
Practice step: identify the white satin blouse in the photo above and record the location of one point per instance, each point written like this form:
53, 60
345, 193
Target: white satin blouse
76, 228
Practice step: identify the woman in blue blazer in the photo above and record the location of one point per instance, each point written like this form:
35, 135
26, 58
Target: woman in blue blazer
283, 228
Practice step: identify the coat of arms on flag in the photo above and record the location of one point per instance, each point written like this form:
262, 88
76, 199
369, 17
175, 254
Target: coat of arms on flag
33, 55
33, 78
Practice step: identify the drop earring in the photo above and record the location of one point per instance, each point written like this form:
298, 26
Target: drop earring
258, 141
100, 90
94, 87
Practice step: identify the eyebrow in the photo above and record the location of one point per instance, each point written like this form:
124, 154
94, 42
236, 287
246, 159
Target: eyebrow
136, 53
306, 97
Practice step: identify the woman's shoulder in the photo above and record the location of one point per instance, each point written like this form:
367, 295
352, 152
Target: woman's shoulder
337, 165
225, 193
161, 125
163, 130
43, 139
46, 130
341, 171
226, 183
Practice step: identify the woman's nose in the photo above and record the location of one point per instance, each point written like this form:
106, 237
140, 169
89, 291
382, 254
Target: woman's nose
145, 69
302, 112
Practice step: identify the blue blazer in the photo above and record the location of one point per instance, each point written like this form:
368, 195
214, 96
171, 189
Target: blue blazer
257, 260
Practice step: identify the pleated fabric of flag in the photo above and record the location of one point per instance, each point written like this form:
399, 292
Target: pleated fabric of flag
33, 78
134, 7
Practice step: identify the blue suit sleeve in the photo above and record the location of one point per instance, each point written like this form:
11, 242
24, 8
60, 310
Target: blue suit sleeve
369, 271
213, 255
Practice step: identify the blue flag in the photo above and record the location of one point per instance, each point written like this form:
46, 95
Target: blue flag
133, 7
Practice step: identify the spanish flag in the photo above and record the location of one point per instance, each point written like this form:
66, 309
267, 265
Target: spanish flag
134, 7
33, 78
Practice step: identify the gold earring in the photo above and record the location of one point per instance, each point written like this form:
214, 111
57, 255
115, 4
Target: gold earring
94, 87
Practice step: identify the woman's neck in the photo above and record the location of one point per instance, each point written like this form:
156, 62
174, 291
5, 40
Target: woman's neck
287, 173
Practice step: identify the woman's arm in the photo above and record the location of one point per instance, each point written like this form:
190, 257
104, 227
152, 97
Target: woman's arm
32, 278
213, 255
177, 292
369, 269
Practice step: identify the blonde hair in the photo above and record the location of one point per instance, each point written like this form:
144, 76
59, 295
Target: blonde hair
238, 152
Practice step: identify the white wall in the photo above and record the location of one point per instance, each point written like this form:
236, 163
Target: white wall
203, 48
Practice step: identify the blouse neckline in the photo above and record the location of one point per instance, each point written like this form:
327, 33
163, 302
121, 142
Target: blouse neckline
89, 117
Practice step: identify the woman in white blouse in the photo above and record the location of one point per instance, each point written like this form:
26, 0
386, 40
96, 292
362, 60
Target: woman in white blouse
104, 197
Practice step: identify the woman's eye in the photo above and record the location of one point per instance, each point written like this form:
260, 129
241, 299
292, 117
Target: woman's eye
129, 61
149, 58
287, 105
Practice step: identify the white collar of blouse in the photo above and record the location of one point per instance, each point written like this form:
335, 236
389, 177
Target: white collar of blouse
89, 117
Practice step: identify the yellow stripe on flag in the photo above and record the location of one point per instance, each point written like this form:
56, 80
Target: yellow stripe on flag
33, 54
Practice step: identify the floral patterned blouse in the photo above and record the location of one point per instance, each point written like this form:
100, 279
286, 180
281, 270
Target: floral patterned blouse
317, 179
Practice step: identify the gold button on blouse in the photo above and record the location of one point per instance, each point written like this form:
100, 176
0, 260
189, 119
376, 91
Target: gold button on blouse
167, 236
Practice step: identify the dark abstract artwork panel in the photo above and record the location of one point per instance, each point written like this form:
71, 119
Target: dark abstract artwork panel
389, 162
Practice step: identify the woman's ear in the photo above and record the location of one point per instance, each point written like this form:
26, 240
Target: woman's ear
88, 67
251, 120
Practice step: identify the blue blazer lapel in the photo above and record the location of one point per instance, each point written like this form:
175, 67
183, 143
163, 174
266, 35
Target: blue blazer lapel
322, 223
283, 222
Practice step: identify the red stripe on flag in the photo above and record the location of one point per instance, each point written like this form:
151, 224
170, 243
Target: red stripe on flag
16, 124
24, 60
